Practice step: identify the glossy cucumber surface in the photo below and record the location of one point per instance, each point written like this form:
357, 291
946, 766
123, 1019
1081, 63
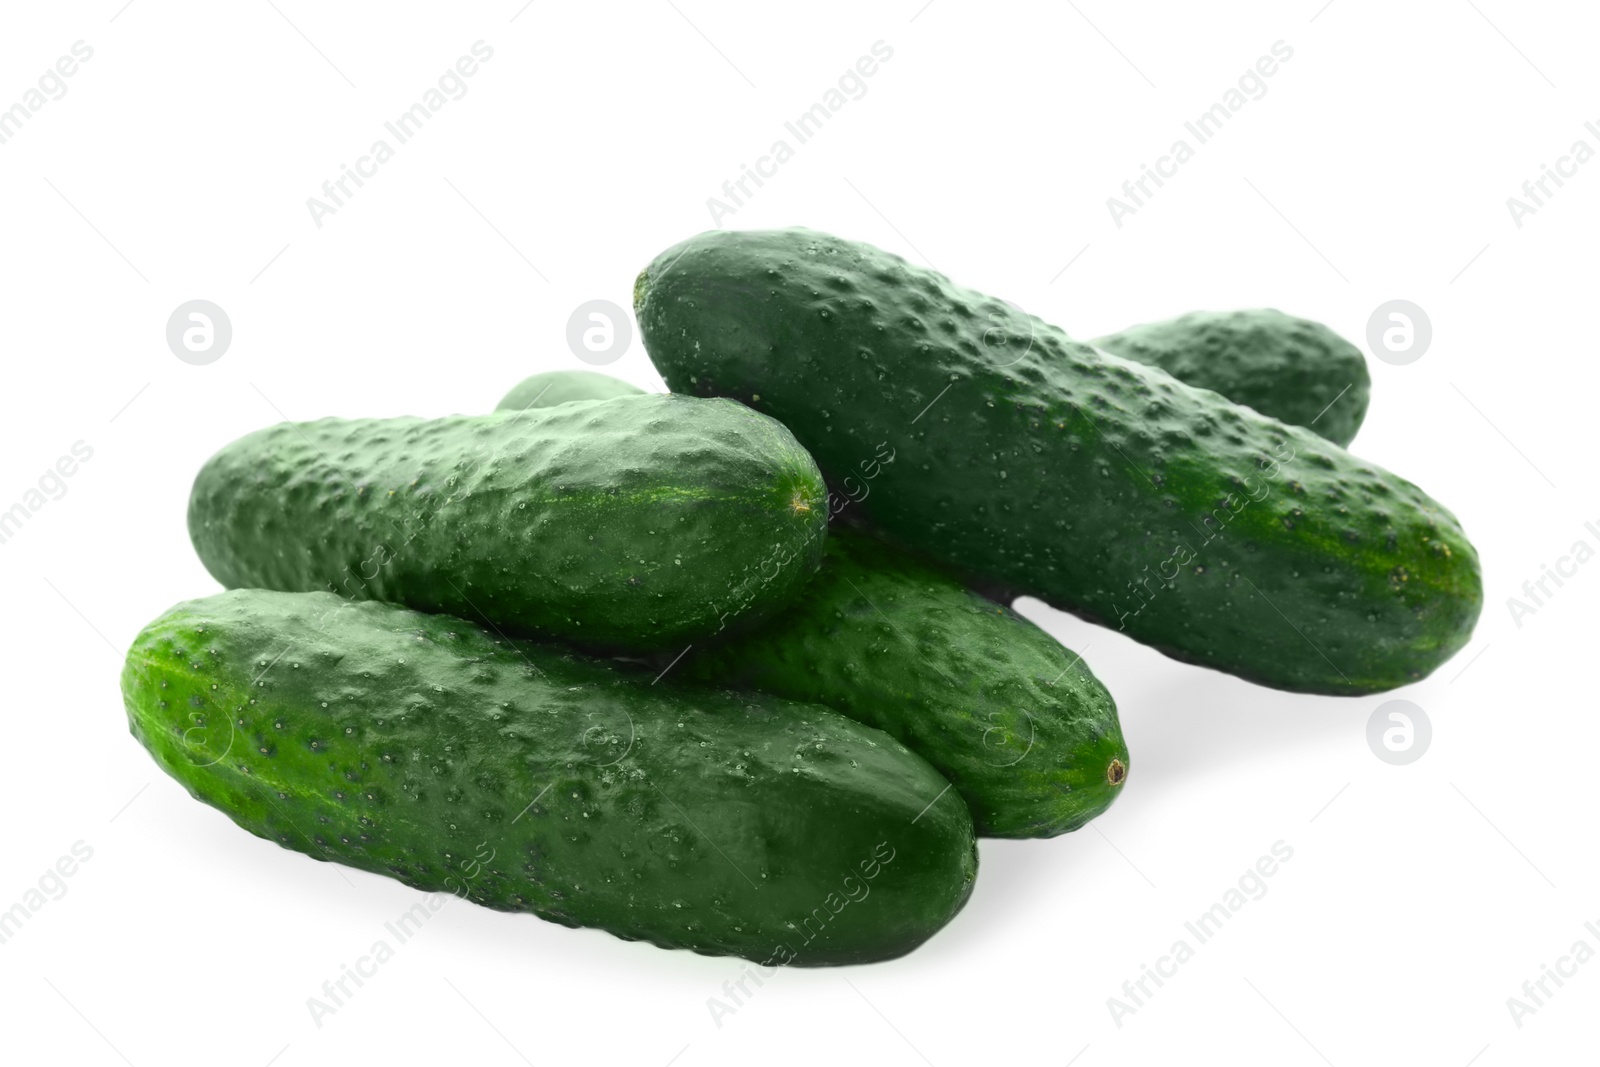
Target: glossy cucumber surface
637, 523
1033, 464
525, 777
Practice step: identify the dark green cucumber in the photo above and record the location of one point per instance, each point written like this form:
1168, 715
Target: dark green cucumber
1295, 370
554, 387
527, 778
1017, 723
1034, 464
637, 523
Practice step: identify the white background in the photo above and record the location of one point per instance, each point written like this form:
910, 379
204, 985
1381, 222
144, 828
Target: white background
1377, 166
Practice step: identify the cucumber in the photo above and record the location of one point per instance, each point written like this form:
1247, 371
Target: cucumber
1034, 464
528, 778
1017, 723
1295, 370
637, 523
554, 387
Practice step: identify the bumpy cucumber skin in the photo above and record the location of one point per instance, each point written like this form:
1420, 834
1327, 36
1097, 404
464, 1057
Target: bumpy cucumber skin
1295, 370
636, 523
554, 387
527, 778
1035, 465
1016, 722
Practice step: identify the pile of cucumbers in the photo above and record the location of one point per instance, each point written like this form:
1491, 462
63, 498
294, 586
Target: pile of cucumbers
732, 669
